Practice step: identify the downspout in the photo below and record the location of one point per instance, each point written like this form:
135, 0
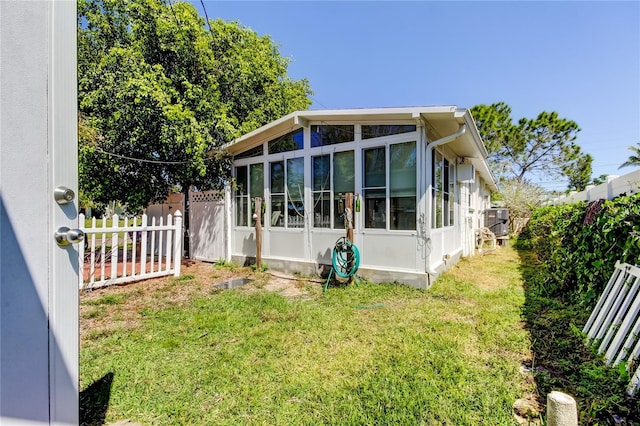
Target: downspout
461, 131
444, 140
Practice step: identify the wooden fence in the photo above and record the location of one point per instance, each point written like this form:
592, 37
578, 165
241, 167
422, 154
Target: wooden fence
614, 324
135, 250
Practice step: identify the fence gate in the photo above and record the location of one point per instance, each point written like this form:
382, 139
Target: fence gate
207, 226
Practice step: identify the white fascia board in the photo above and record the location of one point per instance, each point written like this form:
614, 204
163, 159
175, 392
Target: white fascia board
465, 114
244, 142
409, 111
302, 118
481, 161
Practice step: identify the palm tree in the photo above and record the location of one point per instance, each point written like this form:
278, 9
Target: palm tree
634, 159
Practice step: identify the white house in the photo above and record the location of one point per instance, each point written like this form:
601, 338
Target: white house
419, 175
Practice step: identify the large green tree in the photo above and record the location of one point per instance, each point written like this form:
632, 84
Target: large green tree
542, 146
161, 90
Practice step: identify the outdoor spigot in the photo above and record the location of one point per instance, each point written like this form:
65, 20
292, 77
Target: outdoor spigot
65, 236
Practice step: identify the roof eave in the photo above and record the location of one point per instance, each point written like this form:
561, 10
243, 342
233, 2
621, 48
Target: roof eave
300, 119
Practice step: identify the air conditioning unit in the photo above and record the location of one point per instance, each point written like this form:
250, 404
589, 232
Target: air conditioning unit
466, 173
497, 220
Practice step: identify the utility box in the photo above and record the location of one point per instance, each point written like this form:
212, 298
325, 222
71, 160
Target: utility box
497, 220
466, 173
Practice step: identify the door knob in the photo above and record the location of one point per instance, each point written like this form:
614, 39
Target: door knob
65, 236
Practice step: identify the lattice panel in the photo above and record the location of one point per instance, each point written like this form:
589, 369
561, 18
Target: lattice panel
207, 196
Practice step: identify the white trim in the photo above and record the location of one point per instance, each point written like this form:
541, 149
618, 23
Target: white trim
63, 315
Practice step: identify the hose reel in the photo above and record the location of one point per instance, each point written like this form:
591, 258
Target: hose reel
345, 260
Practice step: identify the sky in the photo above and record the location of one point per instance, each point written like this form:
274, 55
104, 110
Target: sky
578, 58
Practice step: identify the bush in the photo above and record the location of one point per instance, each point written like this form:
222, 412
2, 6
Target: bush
577, 256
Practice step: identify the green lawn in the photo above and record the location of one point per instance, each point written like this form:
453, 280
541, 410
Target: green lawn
372, 354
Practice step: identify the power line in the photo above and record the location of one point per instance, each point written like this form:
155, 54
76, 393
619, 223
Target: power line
174, 15
141, 160
204, 8
318, 102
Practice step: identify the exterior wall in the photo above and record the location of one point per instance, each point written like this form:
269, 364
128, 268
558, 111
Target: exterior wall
445, 243
414, 257
307, 249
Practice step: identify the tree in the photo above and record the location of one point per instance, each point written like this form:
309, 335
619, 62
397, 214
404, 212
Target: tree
544, 145
160, 94
634, 158
578, 171
599, 180
521, 198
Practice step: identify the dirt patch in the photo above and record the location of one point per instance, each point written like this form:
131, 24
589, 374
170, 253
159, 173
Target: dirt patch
123, 306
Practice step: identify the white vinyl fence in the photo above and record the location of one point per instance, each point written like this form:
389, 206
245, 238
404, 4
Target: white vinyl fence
614, 324
614, 186
137, 250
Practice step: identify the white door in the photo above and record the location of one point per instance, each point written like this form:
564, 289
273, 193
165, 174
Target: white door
38, 279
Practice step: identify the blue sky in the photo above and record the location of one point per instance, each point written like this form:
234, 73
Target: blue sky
581, 59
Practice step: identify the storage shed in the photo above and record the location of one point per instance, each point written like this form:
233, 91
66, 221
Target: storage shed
419, 175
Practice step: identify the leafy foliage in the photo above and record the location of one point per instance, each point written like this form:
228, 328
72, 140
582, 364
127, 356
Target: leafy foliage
521, 198
634, 158
569, 254
159, 95
545, 144
563, 362
599, 180
577, 248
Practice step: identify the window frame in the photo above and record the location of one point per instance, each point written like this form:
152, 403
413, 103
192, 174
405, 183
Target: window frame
388, 217
357, 148
442, 191
246, 196
324, 192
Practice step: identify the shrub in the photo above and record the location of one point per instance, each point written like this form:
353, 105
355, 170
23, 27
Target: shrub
577, 256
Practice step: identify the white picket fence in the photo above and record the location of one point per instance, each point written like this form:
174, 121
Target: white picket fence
614, 324
132, 252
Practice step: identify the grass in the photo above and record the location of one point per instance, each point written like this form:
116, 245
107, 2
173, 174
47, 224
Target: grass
563, 362
372, 354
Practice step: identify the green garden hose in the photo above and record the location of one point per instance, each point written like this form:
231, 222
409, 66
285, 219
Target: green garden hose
345, 260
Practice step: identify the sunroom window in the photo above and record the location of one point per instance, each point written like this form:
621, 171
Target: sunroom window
250, 184
295, 192
343, 180
287, 201
402, 185
380, 130
242, 196
375, 188
442, 196
323, 135
399, 187
289, 142
321, 167
253, 152
343, 183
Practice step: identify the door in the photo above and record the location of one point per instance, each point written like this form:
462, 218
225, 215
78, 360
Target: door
208, 226
38, 279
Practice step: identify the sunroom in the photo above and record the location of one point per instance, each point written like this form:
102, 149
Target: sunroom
418, 175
